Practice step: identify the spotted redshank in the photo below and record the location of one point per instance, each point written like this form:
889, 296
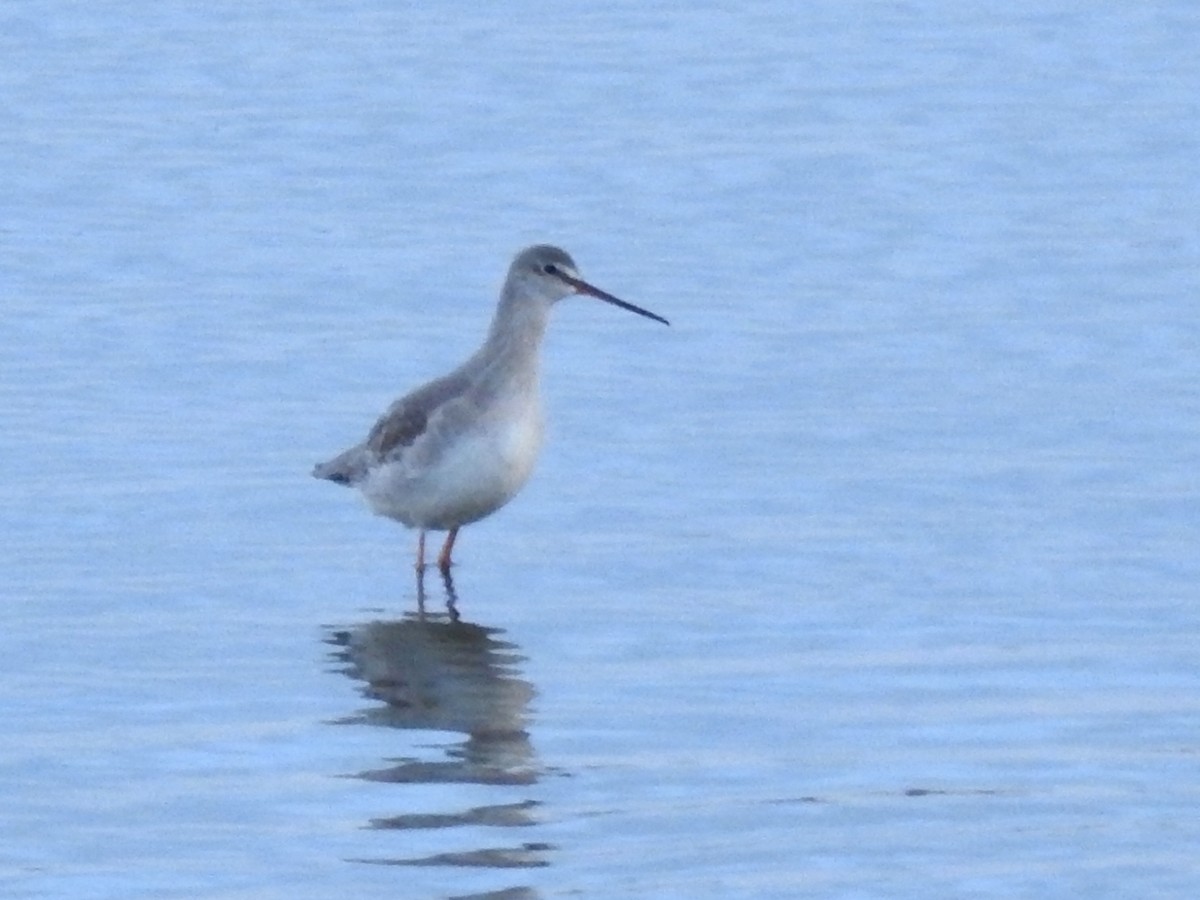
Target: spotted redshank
458, 448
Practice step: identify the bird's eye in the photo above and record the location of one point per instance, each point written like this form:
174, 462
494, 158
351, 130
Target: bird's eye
550, 269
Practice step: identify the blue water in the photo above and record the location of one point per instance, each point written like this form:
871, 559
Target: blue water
873, 576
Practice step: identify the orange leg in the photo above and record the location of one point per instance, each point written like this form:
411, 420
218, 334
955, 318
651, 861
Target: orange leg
421, 552
444, 556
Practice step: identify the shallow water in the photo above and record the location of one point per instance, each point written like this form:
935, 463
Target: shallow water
874, 575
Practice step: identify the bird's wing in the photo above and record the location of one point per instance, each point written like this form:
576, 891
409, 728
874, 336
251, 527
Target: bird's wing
399, 429
408, 418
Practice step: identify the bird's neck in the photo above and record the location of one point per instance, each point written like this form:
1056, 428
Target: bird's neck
516, 334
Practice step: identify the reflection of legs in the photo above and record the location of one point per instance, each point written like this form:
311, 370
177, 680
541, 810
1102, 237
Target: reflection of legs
421, 551
444, 556
451, 595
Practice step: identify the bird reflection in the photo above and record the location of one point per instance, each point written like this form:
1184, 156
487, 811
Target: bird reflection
432, 671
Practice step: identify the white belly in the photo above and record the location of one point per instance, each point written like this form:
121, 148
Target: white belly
470, 475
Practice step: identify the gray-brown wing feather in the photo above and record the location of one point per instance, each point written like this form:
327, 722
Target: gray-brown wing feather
407, 418
404, 422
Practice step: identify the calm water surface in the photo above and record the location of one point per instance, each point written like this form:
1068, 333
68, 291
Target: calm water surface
873, 576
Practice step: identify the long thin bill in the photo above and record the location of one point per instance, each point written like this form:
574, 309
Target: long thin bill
584, 288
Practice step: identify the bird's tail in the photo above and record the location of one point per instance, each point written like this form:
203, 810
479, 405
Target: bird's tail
346, 468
